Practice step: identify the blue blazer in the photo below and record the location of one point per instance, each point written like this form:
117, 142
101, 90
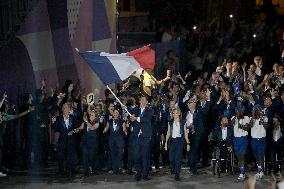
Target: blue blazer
90, 135
217, 135
181, 124
119, 128
59, 126
145, 123
198, 122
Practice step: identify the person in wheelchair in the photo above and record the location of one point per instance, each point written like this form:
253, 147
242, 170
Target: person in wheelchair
223, 140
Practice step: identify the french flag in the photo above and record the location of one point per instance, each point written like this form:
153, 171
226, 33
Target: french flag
114, 68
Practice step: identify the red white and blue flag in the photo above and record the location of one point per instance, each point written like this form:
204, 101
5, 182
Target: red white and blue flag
114, 68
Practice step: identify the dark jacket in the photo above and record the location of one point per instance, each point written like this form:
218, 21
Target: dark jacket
217, 136
59, 126
119, 128
145, 121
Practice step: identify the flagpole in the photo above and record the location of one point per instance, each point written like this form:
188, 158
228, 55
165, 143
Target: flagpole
122, 105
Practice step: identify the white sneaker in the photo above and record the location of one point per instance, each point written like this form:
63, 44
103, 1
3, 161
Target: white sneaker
261, 174
2, 174
241, 177
257, 176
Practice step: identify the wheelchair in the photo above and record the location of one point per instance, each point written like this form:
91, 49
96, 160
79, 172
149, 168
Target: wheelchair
279, 161
221, 164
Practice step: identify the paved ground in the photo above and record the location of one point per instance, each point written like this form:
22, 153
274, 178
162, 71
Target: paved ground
160, 180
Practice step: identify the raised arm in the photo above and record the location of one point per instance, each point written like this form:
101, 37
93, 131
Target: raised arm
186, 133
94, 126
3, 99
124, 127
106, 128
167, 137
244, 75
25, 112
163, 80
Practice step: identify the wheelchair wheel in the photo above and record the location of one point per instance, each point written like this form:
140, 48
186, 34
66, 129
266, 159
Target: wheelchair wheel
213, 167
232, 163
218, 169
281, 169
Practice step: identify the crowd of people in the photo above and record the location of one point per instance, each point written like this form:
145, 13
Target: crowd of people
208, 44
227, 99
238, 108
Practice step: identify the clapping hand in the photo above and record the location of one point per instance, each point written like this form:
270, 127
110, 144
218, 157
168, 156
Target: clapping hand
187, 147
244, 66
53, 119
31, 108
61, 95
132, 117
179, 76
85, 118
5, 95
188, 74
208, 93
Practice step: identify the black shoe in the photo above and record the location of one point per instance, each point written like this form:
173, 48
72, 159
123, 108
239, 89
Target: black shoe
146, 178
172, 172
137, 177
129, 172
177, 178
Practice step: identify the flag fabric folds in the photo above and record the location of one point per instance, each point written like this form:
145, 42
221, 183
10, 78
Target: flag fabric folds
145, 56
114, 68
110, 68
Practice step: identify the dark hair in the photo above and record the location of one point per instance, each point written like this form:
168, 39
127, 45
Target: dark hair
26, 98
66, 85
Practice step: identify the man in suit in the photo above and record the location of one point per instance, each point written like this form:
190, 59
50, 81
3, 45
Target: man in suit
66, 125
195, 124
143, 117
223, 137
204, 106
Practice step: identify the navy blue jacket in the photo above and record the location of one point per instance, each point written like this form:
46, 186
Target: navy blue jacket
119, 128
59, 126
217, 135
181, 124
198, 122
145, 123
90, 135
